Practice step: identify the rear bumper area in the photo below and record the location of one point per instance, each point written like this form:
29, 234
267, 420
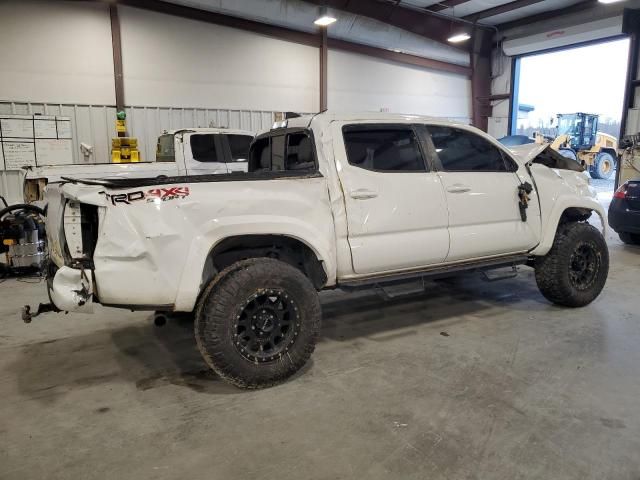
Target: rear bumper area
623, 219
71, 290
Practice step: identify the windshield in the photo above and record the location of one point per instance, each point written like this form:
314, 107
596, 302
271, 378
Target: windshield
165, 151
568, 125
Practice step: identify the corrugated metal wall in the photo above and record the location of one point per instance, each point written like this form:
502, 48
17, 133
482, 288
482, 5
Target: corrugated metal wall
94, 125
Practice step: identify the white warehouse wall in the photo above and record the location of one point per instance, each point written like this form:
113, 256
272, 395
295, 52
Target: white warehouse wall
362, 83
58, 52
177, 62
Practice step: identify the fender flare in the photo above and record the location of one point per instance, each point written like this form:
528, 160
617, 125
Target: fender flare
559, 208
200, 248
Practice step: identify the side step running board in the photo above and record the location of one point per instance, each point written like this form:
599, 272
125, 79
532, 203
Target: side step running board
436, 272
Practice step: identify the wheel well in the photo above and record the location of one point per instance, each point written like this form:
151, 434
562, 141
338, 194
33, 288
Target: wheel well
286, 249
575, 214
611, 152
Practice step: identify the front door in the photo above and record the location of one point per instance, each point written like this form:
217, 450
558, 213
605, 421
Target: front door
395, 203
481, 186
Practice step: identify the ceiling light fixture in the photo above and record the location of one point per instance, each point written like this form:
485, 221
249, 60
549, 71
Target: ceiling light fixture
609, 1
324, 19
459, 37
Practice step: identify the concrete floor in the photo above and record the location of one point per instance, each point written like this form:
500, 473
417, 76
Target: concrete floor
472, 380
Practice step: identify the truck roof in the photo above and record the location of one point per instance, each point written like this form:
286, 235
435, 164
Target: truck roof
328, 116
214, 130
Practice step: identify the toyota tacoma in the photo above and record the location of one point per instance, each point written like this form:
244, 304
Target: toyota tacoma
329, 201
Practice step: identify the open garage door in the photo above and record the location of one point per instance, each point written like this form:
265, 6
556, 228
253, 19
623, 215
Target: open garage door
573, 98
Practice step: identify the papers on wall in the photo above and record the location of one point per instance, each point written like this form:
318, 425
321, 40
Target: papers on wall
35, 140
17, 127
63, 124
18, 154
53, 152
45, 128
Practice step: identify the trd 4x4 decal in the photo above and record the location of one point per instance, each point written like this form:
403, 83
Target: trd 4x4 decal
153, 195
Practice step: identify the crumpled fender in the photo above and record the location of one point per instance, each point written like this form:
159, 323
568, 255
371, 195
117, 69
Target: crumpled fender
559, 190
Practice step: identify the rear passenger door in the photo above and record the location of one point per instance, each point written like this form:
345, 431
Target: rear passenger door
204, 153
481, 186
395, 204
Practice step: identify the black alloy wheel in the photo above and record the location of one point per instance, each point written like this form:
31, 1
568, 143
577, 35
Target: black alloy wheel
266, 326
583, 265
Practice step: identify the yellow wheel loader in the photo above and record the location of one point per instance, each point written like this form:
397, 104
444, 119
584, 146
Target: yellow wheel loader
578, 138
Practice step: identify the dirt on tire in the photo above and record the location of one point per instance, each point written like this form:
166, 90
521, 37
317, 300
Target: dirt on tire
220, 305
552, 271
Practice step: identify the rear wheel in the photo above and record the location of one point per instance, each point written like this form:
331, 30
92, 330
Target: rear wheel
257, 322
603, 167
575, 270
629, 238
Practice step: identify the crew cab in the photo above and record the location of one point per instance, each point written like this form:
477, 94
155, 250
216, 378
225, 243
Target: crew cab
330, 201
190, 151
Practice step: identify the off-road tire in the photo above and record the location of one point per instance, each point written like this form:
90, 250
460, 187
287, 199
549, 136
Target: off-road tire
603, 167
629, 238
223, 300
553, 270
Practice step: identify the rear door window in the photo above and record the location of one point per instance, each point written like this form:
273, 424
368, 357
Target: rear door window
383, 149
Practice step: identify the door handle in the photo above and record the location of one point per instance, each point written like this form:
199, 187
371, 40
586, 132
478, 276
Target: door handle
458, 188
363, 194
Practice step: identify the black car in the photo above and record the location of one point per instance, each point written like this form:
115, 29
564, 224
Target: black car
624, 212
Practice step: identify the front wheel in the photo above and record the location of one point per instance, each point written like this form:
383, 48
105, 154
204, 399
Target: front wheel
257, 322
603, 166
575, 270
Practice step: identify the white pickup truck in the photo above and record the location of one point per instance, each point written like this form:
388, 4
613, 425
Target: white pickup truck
331, 200
190, 151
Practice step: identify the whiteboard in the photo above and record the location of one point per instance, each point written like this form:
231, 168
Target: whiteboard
18, 154
64, 127
45, 127
54, 152
16, 127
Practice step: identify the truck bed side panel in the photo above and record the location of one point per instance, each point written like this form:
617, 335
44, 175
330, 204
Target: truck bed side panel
155, 239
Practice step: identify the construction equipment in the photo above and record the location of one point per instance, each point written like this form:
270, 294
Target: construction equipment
578, 138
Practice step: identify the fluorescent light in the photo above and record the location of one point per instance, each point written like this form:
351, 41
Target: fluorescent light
609, 1
324, 18
460, 37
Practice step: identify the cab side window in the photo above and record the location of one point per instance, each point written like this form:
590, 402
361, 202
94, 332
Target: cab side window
203, 148
463, 151
239, 147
